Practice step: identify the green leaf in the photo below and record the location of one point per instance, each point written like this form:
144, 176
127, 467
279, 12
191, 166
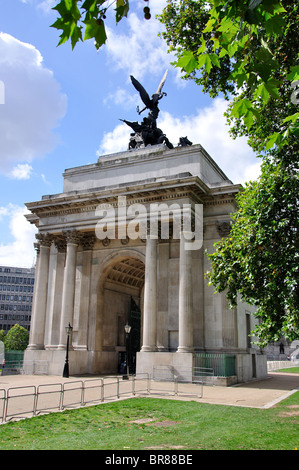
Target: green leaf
187, 62
294, 74
100, 36
122, 8
91, 28
248, 119
293, 118
241, 108
61, 8
75, 33
272, 87
263, 93
273, 139
275, 25
215, 60
90, 5
207, 63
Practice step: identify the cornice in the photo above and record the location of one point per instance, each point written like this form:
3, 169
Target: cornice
144, 193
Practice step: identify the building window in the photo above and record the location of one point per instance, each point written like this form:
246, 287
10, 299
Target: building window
248, 330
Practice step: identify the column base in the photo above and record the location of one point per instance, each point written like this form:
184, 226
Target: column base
149, 349
36, 347
185, 349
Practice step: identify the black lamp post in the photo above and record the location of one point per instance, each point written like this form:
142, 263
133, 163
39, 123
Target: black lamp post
127, 330
68, 330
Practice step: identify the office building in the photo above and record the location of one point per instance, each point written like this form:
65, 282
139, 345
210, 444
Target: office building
16, 295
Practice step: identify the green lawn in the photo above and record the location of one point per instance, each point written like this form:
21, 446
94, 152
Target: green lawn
292, 370
171, 424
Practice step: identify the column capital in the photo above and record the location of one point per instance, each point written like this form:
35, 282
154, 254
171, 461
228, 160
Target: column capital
87, 240
44, 239
60, 243
72, 237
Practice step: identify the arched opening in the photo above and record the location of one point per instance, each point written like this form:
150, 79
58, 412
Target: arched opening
121, 292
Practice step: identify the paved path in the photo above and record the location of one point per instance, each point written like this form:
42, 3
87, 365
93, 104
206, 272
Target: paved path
256, 394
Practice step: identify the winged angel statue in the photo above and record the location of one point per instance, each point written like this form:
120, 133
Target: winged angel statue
147, 133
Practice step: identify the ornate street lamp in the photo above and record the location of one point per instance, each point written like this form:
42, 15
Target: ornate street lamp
68, 330
127, 330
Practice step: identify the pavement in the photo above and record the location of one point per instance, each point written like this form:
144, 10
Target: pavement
263, 393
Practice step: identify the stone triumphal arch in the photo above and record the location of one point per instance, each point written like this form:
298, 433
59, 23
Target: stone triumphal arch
104, 259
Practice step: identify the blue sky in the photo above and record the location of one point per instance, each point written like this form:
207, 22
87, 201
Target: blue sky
62, 108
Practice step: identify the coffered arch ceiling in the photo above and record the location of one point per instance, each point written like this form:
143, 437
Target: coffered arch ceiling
129, 271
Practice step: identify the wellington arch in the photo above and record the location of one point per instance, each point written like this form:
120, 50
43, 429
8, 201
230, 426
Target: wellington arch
97, 270
119, 302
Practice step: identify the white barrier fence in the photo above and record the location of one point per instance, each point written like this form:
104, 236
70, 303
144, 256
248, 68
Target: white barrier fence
275, 365
28, 401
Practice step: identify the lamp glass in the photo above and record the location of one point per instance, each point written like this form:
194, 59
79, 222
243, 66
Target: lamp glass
68, 329
127, 328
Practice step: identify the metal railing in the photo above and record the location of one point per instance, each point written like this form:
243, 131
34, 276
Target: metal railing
25, 367
194, 375
222, 364
31, 400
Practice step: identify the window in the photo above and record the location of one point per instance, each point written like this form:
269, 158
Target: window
248, 330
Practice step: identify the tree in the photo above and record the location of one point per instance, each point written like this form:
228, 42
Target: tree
17, 338
259, 259
248, 50
81, 20
2, 335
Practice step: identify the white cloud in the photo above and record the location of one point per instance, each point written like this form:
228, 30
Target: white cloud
20, 252
46, 6
121, 97
21, 171
115, 141
208, 128
33, 105
140, 51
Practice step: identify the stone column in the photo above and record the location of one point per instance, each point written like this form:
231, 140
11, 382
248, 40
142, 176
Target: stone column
82, 295
68, 288
185, 299
150, 296
38, 318
55, 293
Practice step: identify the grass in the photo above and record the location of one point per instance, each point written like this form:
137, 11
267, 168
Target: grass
170, 424
291, 370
